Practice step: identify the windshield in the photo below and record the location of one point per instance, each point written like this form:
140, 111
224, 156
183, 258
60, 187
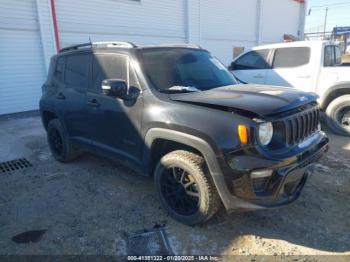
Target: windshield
181, 70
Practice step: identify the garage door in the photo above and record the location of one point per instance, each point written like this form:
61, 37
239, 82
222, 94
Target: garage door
22, 68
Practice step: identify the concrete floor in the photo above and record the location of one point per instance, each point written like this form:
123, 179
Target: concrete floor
91, 205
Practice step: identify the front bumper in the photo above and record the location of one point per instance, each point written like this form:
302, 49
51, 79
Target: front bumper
282, 187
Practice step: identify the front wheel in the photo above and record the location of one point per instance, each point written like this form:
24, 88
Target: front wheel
185, 187
338, 115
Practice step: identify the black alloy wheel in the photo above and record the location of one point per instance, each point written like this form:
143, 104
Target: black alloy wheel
180, 191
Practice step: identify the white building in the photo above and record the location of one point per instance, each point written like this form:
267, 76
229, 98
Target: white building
29, 35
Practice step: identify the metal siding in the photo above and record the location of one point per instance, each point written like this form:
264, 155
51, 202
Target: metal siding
226, 24
280, 17
21, 64
145, 21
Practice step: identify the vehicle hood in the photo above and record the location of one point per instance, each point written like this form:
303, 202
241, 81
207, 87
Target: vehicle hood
261, 100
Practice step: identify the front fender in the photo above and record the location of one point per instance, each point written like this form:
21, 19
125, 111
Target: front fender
209, 155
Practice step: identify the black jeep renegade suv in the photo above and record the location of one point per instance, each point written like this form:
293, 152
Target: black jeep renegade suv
174, 112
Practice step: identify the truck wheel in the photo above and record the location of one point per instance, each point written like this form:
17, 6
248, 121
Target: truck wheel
185, 187
61, 149
338, 115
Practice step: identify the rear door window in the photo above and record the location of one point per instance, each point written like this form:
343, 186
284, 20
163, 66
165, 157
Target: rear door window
77, 71
252, 60
291, 57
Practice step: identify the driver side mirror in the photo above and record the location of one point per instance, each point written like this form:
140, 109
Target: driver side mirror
114, 87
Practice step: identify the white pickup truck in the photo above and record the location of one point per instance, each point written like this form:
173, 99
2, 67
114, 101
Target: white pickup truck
311, 66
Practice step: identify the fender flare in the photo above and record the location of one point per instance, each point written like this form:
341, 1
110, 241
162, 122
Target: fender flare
176, 136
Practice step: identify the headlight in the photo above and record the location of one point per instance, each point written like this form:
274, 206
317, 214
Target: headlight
265, 133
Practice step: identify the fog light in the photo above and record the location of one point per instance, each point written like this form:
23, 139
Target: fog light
261, 173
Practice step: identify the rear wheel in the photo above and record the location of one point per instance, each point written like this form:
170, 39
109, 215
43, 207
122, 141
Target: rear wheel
61, 149
338, 115
185, 187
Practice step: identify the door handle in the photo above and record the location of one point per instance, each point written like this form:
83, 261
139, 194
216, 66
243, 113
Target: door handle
93, 103
60, 96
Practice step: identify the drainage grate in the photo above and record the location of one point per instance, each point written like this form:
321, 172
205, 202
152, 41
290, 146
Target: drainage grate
14, 165
149, 244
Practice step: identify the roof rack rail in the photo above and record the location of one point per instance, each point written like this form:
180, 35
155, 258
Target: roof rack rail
115, 44
74, 47
99, 44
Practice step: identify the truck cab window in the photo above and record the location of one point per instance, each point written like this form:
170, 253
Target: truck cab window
291, 57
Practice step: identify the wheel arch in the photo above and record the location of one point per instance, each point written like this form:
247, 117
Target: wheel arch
159, 141
47, 116
335, 92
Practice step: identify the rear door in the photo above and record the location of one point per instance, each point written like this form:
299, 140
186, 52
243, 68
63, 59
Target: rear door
291, 67
252, 67
71, 95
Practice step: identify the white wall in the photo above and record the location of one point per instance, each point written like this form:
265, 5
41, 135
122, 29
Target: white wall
226, 24
279, 18
145, 21
216, 25
22, 67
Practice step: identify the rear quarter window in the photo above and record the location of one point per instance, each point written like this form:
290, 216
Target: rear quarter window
58, 73
291, 57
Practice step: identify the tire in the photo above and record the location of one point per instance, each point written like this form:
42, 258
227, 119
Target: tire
338, 115
61, 149
188, 168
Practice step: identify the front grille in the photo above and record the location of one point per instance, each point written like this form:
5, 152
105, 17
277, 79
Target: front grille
301, 126
295, 128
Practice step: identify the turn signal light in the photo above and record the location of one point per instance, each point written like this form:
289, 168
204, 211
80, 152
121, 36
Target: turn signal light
243, 134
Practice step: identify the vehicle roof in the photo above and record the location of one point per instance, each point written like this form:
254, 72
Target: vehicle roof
313, 43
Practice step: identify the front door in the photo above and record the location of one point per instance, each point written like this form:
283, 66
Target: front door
115, 123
